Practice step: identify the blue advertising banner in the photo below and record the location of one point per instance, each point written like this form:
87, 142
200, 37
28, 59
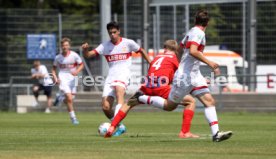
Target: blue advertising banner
41, 46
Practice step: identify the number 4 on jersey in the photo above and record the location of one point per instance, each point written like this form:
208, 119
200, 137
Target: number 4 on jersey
157, 63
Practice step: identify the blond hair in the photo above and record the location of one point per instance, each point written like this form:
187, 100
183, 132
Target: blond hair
171, 45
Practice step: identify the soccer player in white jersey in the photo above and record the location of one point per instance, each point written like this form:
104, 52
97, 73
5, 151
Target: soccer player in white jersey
69, 64
188, 79
45, 83
117, 52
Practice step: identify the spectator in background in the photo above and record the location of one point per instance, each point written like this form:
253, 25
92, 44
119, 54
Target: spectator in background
44, 82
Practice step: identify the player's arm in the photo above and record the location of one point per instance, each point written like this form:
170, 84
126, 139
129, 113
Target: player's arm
37, 75
40, 75
199, 55
43, 73
180, 51
54, 74
33, 76
87, 53
79, 69
145, 55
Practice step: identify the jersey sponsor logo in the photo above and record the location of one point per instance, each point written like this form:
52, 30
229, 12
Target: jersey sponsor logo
124, 49
63, 66
117, 57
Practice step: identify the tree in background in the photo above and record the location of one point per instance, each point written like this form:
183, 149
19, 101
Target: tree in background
78, 7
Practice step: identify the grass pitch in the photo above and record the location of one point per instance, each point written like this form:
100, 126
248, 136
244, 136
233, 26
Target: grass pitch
149, 136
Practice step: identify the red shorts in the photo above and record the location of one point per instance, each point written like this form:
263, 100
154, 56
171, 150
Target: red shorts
161, 91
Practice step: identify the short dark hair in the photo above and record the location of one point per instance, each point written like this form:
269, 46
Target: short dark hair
202, 18
112, 25
63, 40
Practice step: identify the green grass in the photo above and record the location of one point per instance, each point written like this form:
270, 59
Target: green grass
149, 136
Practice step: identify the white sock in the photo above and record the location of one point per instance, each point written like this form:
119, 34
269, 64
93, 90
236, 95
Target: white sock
72, 115
117, 108
211, 116
155, 101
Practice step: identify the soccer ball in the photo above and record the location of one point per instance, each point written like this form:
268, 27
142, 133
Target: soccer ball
103, 128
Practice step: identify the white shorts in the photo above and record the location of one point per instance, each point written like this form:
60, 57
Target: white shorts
67, 83
68, 89
109, 89
180, 89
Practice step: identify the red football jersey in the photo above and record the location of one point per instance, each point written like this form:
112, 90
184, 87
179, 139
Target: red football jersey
160, 75
163, 67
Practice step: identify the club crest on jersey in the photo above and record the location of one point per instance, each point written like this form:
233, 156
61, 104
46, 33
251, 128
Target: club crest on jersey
124, 49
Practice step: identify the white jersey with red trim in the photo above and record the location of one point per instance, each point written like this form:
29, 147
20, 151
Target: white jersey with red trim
118, 57
188, 79
190, 65
67, 64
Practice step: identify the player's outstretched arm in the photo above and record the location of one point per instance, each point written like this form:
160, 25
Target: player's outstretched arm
145, 55
79, 69
88, 54
54, 74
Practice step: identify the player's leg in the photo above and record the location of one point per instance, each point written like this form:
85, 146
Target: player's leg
173, 94
122, 113
59, 98
69, 103
35, 90
68, 99
211, 116
107, 103
109, 94
120, 93
202, 92
108, 98
48, 93
188, 113
155, 101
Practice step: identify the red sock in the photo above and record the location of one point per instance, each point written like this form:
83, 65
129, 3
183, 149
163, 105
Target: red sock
186, 121
118, 118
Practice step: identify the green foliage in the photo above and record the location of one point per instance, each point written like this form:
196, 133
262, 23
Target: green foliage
266, 32
78, 7
216, 18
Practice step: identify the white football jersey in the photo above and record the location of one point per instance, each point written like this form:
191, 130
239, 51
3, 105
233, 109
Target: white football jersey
188, 79
46, 81
118, 57
67, 64
190, 65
